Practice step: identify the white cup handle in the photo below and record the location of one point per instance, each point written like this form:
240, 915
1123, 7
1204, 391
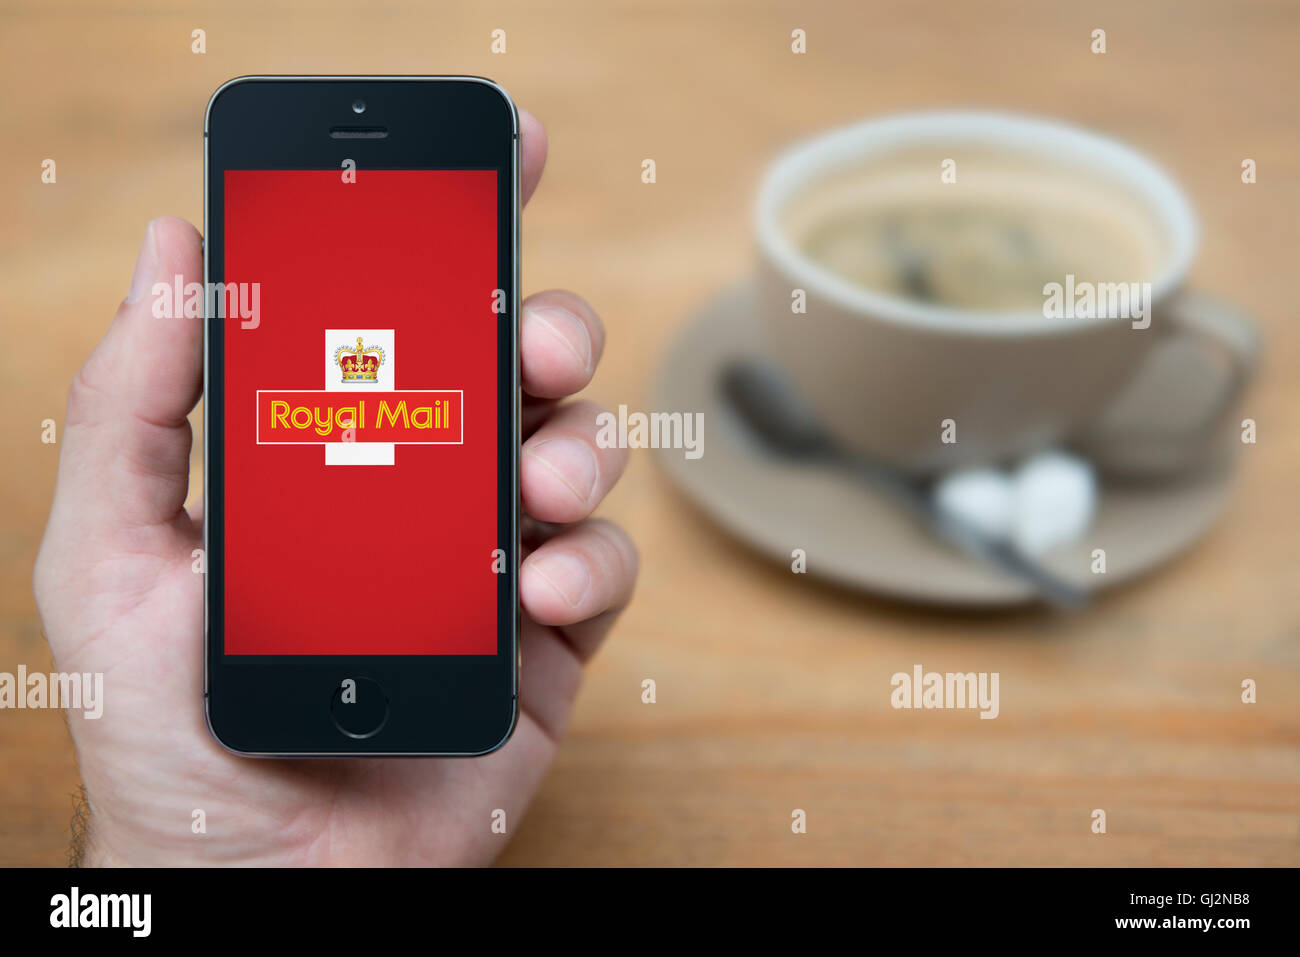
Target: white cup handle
1153, 450
1220, 325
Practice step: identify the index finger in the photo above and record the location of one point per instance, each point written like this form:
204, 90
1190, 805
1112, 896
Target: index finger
532, 146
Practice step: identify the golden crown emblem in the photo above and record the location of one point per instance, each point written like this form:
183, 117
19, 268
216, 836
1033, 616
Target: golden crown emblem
359, 365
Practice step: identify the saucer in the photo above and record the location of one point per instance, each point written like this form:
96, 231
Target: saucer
854, 534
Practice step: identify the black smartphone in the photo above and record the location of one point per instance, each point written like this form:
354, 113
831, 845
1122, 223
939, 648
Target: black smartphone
361, 415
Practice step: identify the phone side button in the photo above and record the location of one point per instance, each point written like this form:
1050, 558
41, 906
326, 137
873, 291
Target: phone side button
359, 707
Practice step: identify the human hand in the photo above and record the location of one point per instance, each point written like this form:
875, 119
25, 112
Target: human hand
117, 596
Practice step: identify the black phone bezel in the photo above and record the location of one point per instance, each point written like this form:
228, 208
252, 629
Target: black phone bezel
439, 705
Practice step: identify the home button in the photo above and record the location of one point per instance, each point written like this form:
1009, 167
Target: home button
359, 707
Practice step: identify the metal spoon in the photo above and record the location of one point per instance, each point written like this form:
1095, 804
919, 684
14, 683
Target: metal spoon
775, 415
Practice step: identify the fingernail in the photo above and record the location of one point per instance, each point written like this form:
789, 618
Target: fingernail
146, 267
572, 461
566, 573
570, 330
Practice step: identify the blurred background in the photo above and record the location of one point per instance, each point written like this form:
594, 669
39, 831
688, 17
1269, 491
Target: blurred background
773, 688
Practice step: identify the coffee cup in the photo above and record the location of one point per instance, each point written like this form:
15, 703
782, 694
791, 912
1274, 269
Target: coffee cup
949, 289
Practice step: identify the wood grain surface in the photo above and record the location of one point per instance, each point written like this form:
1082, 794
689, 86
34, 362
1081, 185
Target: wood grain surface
773, 690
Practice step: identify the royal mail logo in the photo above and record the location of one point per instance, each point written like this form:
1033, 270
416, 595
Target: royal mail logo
360, 416
409, 417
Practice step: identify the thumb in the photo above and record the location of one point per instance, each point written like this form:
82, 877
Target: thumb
124, 461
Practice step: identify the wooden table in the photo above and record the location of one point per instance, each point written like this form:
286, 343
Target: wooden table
772, 689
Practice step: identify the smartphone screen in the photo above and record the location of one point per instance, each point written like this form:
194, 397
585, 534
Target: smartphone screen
361, 412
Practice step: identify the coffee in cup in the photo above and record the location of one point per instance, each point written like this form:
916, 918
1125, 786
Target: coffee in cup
904, 272
990, 241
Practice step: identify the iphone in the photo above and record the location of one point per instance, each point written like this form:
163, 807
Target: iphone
361, 415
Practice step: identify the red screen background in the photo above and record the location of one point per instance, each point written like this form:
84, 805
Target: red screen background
349, 559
